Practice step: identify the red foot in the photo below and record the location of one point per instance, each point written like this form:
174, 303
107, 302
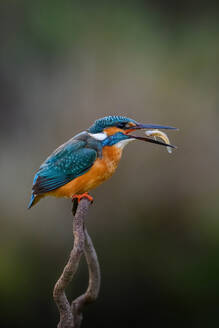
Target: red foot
85, 195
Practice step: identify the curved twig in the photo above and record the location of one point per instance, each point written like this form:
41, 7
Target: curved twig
71, 316
92, 291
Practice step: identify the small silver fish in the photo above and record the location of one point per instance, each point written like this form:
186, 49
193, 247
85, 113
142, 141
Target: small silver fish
159, 134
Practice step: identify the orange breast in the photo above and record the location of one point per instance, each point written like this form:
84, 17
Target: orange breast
102, 169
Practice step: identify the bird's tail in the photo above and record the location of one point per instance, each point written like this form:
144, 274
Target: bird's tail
34, 200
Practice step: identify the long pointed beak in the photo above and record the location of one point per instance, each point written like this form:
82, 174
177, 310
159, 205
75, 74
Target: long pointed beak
139, 126
153, 126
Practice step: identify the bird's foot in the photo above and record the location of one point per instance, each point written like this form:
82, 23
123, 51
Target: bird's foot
79, 197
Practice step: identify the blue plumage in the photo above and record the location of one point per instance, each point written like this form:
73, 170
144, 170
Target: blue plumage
108, 121
56, 173
114, 139
31, 201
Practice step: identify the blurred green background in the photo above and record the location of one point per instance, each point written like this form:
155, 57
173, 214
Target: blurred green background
155, 225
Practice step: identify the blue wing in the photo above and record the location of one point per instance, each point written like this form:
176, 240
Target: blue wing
65, 164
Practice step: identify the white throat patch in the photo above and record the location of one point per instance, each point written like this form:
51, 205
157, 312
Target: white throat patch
98, 136
121, 144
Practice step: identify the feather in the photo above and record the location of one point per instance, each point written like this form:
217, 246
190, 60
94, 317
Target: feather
31, 201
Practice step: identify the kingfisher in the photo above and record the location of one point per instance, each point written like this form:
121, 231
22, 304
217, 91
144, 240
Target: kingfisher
89, 158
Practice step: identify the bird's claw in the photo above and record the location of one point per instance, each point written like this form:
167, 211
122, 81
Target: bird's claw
79, 197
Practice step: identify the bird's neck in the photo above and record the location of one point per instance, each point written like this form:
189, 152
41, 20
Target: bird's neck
114, 153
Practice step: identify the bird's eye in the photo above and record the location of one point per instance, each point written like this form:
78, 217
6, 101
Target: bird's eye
121, 125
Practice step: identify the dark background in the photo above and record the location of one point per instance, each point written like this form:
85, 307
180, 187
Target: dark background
155, 225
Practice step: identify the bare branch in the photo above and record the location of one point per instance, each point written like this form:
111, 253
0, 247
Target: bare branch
71, 316
92, 291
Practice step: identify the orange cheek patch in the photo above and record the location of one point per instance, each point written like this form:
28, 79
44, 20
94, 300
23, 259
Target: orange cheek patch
112, 130
131, 124
129, 130
132, 128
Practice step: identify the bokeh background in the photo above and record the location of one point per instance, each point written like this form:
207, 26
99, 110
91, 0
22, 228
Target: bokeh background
155, 225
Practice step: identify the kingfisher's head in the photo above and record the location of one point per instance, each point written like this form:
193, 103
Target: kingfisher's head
115, 130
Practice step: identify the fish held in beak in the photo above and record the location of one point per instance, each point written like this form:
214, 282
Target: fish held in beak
155, 133
163, 136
